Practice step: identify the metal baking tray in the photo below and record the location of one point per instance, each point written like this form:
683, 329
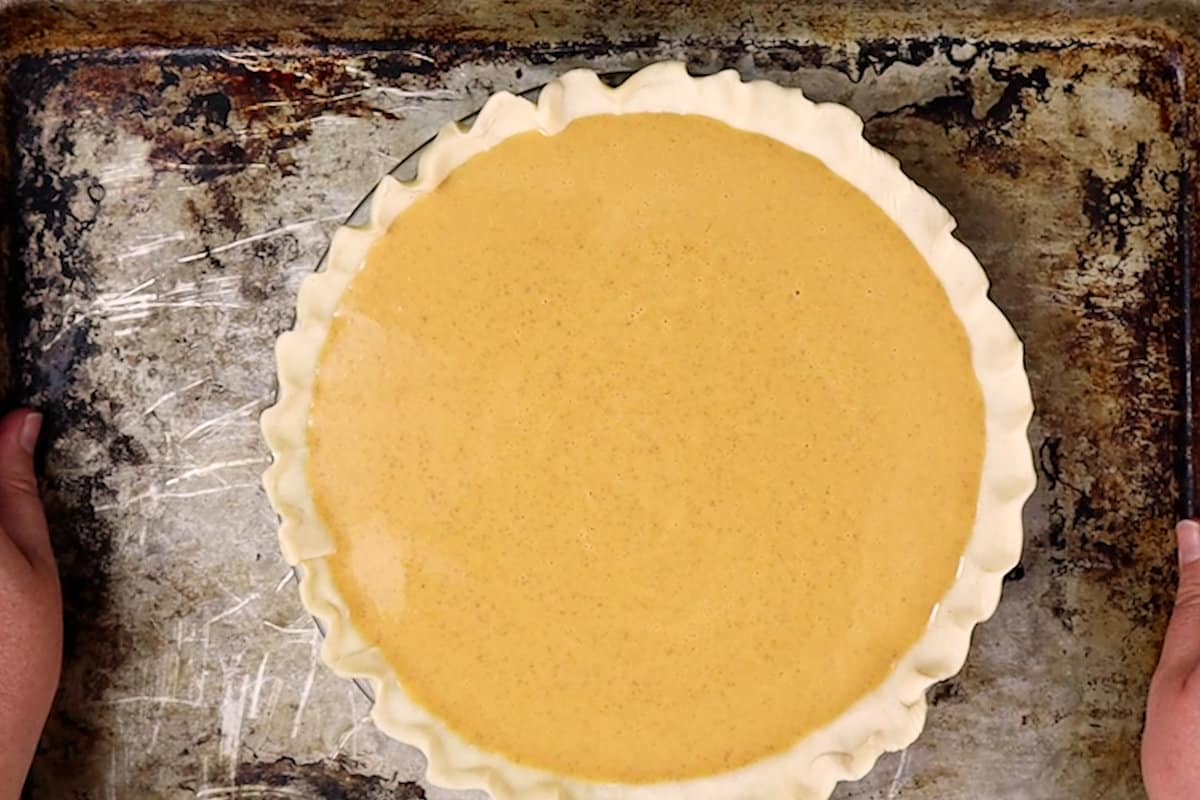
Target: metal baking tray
169, 171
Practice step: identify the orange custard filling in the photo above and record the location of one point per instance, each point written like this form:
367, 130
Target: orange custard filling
647, 448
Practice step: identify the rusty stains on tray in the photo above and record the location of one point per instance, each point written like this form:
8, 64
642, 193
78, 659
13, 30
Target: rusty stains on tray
329, 780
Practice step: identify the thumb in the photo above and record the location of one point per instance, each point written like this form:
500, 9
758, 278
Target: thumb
1181, 649
21, 517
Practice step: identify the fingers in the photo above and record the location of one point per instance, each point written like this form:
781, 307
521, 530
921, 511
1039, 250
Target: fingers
1181, 649
13, 562
22, 520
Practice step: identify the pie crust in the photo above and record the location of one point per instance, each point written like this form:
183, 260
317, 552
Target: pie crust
887, 719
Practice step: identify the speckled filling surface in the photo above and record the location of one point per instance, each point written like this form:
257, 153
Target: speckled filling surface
659, 437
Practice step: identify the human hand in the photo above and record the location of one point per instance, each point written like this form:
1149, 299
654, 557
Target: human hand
1171, 741
30, 604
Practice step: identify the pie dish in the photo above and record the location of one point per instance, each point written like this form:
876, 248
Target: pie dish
654, 442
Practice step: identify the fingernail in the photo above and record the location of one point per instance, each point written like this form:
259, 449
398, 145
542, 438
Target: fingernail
1188, 534
32, 426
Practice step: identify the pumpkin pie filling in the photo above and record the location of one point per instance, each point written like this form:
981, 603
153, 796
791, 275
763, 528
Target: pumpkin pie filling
647, 448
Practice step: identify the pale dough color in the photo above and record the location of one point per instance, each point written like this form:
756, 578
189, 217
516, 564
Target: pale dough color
647, 448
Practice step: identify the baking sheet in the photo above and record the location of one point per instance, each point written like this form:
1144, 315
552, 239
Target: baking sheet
169, 187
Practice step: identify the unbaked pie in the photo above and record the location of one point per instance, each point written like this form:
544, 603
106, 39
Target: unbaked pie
657, 441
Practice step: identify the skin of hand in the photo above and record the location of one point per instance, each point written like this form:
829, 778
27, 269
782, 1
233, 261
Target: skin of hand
1171, 740
30, 604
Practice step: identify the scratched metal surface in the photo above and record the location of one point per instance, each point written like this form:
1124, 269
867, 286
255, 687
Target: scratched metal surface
163, 203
